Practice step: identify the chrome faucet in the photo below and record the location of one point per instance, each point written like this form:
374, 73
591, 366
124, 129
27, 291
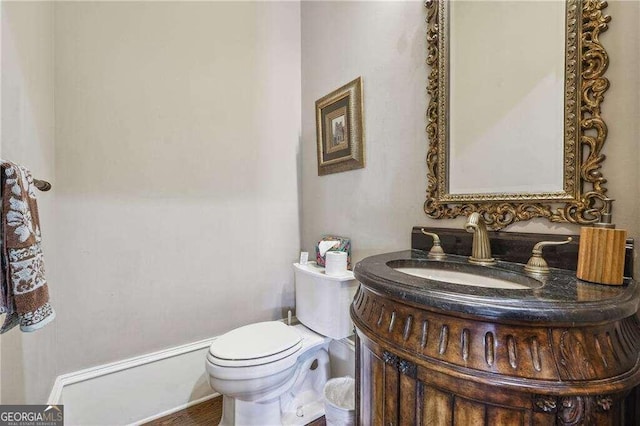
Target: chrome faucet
481, 250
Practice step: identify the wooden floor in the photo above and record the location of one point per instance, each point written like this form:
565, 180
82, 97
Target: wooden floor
206, 413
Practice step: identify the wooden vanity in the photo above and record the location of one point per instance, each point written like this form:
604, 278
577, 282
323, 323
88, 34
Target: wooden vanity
565, 352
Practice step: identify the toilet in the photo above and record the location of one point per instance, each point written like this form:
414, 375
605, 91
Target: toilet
270, 373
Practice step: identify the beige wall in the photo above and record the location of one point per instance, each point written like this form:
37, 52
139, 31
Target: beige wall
621, 110
28, 365
175, 173
384, 42
177, 129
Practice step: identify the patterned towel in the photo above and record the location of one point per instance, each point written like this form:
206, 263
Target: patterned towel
24, 296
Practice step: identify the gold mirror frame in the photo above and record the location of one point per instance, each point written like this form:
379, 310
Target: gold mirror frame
583, 187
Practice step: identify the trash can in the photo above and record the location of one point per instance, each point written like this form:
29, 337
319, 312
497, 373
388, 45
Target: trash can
340, 401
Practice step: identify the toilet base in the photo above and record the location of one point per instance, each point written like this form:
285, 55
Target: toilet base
301, 404
303, 411
305, 408
236, 412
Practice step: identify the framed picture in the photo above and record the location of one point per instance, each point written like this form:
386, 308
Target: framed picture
340, 135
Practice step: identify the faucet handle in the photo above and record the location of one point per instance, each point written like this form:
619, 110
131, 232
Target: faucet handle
436, 251
537, 264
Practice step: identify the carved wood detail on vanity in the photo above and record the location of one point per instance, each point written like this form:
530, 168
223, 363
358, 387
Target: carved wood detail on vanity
470, 346
430, 367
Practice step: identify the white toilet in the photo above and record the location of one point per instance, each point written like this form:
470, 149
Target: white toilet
270, 373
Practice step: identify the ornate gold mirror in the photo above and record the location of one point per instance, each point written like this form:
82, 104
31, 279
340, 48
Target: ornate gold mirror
514, 123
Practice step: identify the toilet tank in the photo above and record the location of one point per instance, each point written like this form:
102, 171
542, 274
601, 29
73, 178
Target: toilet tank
323, 302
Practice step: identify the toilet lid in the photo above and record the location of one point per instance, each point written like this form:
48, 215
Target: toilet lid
254, 341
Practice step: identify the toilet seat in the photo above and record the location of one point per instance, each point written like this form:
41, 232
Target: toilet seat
256, 344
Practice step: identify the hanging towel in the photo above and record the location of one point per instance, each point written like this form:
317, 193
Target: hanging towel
24, 296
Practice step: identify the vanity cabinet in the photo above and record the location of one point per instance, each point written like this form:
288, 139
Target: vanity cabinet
429, 353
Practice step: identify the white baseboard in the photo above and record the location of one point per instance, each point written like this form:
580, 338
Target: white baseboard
144, 388
137, 389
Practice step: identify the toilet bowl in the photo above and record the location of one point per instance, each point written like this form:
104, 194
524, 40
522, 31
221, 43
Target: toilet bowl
254, 382
270, 373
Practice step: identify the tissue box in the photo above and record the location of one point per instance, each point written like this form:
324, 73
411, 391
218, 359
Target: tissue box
341, 244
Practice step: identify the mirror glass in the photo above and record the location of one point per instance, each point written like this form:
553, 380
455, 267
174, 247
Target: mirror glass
506, 96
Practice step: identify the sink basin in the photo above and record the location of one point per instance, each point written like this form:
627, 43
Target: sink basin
507, 280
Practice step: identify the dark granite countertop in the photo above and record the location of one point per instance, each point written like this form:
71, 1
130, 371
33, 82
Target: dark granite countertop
560, 297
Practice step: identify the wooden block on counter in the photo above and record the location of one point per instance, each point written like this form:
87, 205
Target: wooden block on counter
601, 255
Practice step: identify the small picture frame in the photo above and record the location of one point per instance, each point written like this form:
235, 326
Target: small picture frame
339, 127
